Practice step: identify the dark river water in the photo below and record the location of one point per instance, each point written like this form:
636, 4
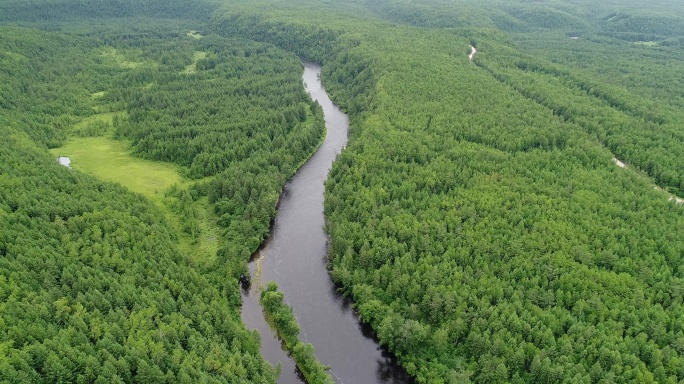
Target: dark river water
294, 257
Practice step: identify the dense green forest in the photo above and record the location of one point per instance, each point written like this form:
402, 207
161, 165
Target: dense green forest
94, 288
69, 10
477, 217
95, 285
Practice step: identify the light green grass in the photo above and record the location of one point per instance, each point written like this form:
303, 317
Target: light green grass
647, 43
111, 160
198, 55
194, 35
13, 56
129, 59
97, 95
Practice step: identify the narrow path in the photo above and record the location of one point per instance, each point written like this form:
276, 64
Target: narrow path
677, 199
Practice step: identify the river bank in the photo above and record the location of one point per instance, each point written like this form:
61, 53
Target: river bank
294, 256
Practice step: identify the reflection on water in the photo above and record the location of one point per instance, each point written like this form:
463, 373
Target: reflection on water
295, 257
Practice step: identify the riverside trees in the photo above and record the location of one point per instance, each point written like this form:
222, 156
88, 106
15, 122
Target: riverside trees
484, 232
93, 284
475, 217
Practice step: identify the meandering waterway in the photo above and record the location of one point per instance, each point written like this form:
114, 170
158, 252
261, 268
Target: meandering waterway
294, 256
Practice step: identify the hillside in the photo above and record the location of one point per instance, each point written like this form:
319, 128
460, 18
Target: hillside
105, 283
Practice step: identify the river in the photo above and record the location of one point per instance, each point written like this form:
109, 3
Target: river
294, 256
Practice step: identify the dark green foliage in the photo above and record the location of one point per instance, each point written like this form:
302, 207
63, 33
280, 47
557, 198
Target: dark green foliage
294, 37
476, 217
93, 288
643, 131
55, 10
482, 228
241, 116
243, 101
43, 86
635, 27
92, 284
282, 318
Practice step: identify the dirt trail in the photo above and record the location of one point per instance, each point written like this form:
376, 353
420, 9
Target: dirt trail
672, 197
473, 51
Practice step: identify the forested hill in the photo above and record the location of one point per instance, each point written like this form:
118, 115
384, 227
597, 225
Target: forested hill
477, 216
628, 20
60, 10
94, 289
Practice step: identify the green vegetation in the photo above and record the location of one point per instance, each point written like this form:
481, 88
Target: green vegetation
475, 217
494, 240
111, 160
94, 289
97, 284
280, 316
69, 10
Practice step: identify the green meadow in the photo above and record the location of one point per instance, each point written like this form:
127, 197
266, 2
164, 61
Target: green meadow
111, 160
198, 55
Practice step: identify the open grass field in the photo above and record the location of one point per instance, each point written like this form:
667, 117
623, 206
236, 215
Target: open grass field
198, 55
111, 160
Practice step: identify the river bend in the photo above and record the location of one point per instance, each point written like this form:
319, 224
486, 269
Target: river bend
294, 256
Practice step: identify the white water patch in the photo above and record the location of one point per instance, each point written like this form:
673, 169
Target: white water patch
65, 161
473, 51
619, 163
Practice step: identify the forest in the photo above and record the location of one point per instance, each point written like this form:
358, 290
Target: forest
477, 218
120, 295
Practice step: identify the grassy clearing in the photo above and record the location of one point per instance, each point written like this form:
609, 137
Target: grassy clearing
647, 43
199, 55
111, 160
194, 35
125, 59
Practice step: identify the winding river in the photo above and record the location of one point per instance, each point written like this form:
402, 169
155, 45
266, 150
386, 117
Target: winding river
294, 256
